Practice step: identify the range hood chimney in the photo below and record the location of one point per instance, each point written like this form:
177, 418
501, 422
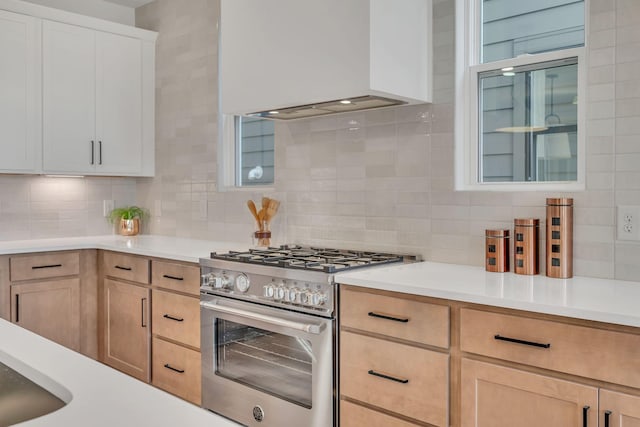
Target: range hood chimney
293, 59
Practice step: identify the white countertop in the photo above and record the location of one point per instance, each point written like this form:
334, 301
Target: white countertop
611, 301
177, 248
96, 395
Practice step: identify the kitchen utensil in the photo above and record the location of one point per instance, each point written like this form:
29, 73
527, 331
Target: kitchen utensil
253, 210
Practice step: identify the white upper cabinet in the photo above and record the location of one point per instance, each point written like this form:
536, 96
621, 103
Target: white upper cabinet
92, 84
291, 53
20, 93
69, 98
77, 94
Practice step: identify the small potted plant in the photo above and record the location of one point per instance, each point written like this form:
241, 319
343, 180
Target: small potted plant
128, 219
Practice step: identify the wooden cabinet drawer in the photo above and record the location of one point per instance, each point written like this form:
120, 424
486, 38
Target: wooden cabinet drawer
55, 264
176, 369
416, 383
352, 415
579, 350
396, 317
127, 267
176, 317
177, 277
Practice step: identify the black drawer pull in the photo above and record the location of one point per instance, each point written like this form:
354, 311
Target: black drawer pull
38, 267
388, 317
517, 341
166, 276
607, 417
177, 319
180, 371
585, 421
17, 308
387, 377
123, 268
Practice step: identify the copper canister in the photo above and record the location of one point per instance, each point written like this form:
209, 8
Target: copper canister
560, 238
526, 257
497, 250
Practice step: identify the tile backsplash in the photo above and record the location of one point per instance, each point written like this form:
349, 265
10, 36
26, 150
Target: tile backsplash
381, 179
36, 207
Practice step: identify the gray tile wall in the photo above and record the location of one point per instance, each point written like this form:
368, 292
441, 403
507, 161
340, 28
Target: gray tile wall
384, 179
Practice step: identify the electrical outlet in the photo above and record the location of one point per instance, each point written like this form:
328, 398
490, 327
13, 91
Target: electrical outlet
627, 223
107, 207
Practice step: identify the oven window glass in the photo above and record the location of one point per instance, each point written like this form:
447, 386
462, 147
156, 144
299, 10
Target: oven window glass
277, 364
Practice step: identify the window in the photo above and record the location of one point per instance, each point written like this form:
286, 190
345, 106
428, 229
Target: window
519, 87
246, 152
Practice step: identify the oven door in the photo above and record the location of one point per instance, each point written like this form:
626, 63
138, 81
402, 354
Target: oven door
265, 367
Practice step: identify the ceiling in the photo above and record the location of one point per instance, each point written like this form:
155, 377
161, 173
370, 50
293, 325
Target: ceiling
130, 3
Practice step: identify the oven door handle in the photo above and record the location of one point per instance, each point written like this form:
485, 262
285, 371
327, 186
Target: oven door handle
304, 327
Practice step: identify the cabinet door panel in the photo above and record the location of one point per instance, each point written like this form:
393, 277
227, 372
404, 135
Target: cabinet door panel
127, 335
495, 396
20, 89
177, 370
50, 309
68, 98
119, 104
624, 409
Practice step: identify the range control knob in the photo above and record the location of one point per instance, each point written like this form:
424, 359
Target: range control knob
305, 297
242, 283
318, 298
280, 293
219, 281
205, 279
269, 291
293, 295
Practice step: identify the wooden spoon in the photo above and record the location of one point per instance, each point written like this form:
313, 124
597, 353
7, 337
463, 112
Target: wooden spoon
253, 210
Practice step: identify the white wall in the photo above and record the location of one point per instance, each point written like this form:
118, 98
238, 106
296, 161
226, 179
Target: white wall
96, 8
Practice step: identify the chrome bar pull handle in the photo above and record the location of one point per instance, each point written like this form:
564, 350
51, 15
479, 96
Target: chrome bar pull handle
388, 317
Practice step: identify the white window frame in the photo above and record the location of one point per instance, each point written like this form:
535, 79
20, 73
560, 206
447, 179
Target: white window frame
227, 164
467, 109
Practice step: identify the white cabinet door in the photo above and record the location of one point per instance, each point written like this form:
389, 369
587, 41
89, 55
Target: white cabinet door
69, 98
119, 104
19, 93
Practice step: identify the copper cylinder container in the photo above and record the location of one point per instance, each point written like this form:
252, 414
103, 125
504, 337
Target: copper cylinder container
497, 250
526, 258
560, 238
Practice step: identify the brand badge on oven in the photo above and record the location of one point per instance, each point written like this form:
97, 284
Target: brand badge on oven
258, 413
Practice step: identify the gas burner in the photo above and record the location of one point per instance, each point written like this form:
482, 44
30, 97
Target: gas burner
324, 260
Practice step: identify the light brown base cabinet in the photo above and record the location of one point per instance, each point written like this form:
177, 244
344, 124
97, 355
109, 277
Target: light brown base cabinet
492, 367
151, 321
127, 332
54, 294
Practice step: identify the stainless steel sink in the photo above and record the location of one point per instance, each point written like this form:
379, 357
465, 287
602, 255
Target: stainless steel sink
21, 399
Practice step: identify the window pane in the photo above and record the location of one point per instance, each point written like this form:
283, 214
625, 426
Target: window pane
528, 123
254, 148
515, 27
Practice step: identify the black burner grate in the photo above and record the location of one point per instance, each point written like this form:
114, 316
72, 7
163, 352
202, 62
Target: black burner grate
310, 258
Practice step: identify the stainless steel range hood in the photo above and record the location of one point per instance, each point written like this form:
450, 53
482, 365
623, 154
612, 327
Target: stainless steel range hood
293, 59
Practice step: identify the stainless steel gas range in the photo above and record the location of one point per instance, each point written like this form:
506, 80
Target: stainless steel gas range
269, 333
